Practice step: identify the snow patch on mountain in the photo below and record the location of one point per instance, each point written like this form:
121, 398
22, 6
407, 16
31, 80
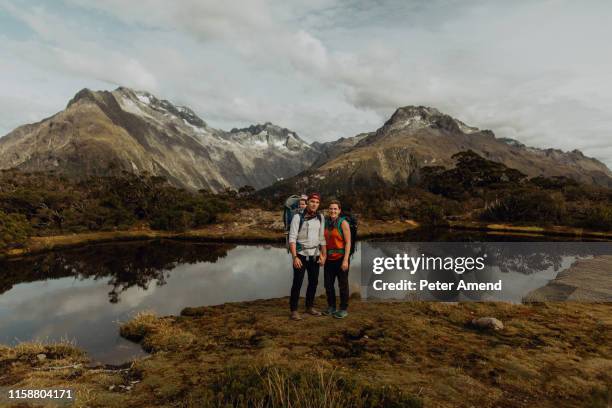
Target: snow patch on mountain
511, 142
194, 128
144, 98
465, 128
128, 105
413, 122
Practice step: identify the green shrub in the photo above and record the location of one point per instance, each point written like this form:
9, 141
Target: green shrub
598, 217
172, 220
53, 204
14, 230
526, 206
471, 175
430, 214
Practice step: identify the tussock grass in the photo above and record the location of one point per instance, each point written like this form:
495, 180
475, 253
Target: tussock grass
390, 354
155, 334
270, 385
57, 350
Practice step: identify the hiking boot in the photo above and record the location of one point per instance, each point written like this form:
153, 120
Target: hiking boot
295, 316
313, 312
329, 311
340, 314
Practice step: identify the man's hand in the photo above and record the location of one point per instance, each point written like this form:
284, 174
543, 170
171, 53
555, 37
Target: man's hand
345, 265
297, 263
322, 259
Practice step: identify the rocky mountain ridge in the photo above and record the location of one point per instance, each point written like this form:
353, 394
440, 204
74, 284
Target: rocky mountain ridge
417, 136
101, 132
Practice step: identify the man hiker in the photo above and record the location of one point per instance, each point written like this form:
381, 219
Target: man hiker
307, 247
338, 239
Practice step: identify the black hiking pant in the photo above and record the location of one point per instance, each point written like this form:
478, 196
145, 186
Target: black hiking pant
311, 265
331, 271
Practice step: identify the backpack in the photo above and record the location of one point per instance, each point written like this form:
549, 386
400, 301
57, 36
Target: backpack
352, 221
291, 208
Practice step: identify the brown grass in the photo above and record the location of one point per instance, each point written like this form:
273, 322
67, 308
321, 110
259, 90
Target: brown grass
155, 334
548, 354
383, 354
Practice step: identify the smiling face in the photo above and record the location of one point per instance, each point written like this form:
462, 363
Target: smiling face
334, 210
302, 204
313, 204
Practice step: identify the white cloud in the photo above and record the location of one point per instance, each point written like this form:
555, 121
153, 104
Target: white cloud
535, 71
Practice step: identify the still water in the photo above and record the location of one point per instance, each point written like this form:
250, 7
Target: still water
82, 294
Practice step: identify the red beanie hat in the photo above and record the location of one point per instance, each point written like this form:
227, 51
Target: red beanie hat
314, 195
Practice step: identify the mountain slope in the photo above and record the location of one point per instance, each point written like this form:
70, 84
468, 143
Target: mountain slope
101, 133
104, 132
417, 136
331, 150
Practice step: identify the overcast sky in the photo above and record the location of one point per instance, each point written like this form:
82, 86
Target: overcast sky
536, 71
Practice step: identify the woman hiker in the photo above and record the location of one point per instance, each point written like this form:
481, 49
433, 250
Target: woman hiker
307, 247
338, 240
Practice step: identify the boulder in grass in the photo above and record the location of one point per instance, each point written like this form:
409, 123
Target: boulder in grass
487, 323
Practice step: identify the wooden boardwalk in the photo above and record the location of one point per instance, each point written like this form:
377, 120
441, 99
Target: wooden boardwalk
588, 280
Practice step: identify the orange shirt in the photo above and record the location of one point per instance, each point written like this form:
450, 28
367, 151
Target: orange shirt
334, 240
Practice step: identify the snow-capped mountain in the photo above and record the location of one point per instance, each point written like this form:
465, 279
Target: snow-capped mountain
103, 132
418, 136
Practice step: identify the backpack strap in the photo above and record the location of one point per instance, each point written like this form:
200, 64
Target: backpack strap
341, 219
338, 226
302, 215
298, 246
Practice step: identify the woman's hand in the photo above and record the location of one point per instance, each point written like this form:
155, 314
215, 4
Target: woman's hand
322, 259
297, 263
345, 265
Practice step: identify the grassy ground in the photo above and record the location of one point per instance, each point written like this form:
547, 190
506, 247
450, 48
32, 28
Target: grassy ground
384, 354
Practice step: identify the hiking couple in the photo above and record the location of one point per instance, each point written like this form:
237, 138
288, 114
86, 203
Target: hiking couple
315, 241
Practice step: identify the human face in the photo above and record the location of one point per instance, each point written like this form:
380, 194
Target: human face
334, 211
313, 204
302, 204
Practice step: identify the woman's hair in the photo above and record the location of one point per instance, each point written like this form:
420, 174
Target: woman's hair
335, 202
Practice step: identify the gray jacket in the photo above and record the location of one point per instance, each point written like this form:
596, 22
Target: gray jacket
310, 237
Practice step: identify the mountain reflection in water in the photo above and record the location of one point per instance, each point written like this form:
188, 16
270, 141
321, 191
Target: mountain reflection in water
82, 294
126, 264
